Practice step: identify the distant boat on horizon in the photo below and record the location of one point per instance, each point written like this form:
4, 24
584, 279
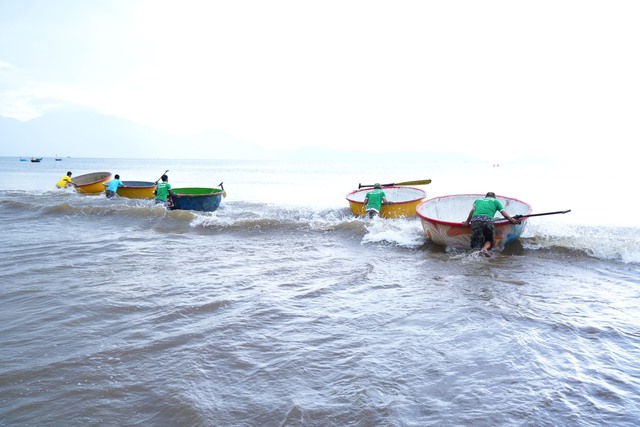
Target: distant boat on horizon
36, 159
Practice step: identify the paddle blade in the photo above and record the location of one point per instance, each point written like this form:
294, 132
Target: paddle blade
419, 182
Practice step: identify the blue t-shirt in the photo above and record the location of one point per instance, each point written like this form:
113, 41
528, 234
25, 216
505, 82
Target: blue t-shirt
113, 185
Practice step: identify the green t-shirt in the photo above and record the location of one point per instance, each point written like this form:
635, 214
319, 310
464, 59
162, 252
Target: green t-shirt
162, 191
487, 207
374, 199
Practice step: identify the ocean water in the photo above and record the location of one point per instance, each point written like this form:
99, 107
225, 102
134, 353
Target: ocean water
282, 309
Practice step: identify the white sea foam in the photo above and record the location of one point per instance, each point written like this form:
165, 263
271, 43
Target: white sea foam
401, 232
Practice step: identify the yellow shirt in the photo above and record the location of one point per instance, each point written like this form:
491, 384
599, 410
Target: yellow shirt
64, 181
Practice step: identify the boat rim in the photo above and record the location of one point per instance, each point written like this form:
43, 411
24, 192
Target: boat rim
132, 184
214, 192
106, 176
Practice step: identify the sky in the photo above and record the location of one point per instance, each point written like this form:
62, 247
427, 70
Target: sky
550, 78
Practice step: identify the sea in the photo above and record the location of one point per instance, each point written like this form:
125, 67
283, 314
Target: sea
283, 309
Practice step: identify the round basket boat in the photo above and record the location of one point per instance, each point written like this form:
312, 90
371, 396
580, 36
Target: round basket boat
136, 189
91, 183
196, 199
442, 219
402, 201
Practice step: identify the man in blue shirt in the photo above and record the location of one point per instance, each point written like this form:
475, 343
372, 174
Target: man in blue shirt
112, 186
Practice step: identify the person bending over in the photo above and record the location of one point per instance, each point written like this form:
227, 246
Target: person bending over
163, 191
374, 200
483, 231
65, 181
112, 186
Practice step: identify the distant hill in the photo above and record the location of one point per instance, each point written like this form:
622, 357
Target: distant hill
89, 134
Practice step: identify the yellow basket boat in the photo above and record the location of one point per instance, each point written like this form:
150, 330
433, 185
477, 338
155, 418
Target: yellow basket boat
137, 189
91, 183
402, 201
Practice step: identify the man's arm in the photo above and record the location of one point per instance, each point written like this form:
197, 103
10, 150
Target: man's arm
468, 220
511, 220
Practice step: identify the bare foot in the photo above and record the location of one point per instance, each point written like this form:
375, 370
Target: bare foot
485, 252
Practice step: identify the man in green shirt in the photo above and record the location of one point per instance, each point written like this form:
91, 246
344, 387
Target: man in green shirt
374, 200
163, 191
481, 218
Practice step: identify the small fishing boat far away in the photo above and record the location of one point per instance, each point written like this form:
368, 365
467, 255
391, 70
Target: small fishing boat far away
91, 183
442, 219
402, 201
197, 198
36, 159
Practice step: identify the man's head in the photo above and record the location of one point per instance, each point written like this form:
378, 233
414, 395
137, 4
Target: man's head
376, 185
69, 173
165, 178
117, 176
491, 194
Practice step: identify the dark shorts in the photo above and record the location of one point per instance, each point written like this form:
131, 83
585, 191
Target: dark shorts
110, 194
482, 231
372, 212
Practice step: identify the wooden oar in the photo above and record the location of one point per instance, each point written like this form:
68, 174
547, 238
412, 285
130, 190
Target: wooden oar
224, 193
165, 172
418, 182
541, 214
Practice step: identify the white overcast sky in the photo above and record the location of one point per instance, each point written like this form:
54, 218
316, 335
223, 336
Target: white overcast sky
541, 76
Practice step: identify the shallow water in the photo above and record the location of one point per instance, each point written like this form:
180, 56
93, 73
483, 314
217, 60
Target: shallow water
286, 310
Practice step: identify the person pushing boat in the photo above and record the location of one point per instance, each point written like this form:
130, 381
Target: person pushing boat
163, 191
112, 186
482, 225
374, 200
65, 181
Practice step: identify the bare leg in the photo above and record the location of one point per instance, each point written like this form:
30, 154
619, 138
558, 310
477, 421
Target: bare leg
485, 249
